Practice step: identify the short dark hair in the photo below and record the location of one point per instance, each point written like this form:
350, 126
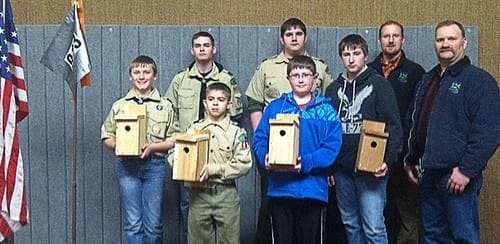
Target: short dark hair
448, 23
292, 22
142, 60
202, 34
301, 62
219, 86
353, 41
391, 22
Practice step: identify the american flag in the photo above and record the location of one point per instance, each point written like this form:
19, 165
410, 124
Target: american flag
14, 108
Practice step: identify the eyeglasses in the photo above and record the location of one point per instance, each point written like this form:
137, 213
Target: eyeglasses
300, 76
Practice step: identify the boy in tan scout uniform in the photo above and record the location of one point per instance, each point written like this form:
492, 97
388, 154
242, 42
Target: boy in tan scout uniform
142, 179
187, 91
214, 211
268, 83
270, 79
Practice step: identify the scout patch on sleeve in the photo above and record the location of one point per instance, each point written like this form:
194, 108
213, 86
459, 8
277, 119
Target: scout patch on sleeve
244, 141
233, 81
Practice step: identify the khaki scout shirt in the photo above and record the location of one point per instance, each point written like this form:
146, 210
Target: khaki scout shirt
229, 156
184, 93
159, 112
270, 79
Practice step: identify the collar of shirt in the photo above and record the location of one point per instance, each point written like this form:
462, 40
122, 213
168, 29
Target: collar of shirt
456, 68
224, 123
154, 95
194, 73
281, 58
388, 67
346, 77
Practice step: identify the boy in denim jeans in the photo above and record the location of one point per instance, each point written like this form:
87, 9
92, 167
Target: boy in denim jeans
142, 179
360, 93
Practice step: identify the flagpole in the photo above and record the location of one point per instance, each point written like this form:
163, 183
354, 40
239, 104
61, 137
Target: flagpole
75, 147
73, 183
75, 154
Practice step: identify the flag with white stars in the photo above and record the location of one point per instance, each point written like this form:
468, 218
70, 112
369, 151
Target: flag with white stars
14, 108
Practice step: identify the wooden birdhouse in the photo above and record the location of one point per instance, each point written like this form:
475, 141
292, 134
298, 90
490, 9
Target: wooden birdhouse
372, 143
284, 141
131, 131
190, 154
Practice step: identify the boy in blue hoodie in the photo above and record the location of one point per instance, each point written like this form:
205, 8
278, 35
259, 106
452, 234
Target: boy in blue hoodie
362, 94
297, 198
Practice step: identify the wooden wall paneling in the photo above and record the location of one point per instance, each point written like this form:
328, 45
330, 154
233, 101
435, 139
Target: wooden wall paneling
129, 50
312, 41
327, 47
472, 35
249, 186
59, 139
186, 33
110, 80
425, 54
410, 46
149, 44
370, 34
38, 138
169, 66
90, 108
268, 43
170, 42
228, 52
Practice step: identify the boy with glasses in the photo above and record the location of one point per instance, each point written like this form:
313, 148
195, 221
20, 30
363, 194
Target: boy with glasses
296, 199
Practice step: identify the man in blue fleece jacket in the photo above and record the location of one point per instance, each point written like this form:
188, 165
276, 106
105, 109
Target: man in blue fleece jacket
297, 198
455, 130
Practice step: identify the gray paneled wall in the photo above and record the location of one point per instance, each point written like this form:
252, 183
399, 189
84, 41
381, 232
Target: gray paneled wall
46, 135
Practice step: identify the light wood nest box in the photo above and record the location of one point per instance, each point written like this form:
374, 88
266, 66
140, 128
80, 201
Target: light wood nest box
284, 141
372, 144
190, 154
131, 128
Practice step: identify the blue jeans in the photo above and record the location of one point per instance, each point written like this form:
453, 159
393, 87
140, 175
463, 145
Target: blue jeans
185, 195
141, 190
448, 217
361, 198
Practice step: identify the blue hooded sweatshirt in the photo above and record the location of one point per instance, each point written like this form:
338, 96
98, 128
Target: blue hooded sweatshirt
319, 144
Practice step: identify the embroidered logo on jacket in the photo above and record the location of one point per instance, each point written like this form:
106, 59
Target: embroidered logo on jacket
455, 87
403, 77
